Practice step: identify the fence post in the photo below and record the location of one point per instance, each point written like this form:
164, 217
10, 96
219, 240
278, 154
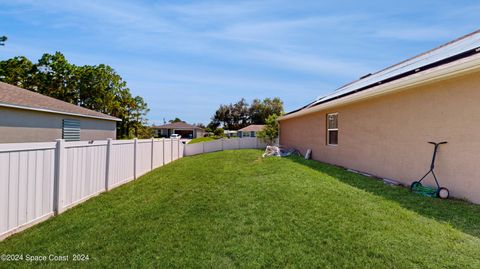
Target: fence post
178, 150
163, 151
203, 147
153, 143
239, 142
107, 171
222, 143
135, 145
59, 176
256, 141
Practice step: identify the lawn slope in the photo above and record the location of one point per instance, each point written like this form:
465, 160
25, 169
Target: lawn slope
235, 209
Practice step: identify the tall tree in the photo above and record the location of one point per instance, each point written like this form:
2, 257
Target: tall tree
212, 126
240, 114
56, 78
261, 110
18, 71
200, 125
96, 87
138, 112
99, 88
175, 120
232, 116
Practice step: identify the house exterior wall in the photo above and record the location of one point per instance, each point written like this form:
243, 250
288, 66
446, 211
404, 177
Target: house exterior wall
387, 136
248, 134
199, 133
18, 125
161, 132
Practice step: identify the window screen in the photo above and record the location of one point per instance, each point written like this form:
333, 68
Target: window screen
71, 130
332, 129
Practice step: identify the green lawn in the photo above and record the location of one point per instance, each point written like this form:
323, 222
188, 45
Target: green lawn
202, 139
235, 209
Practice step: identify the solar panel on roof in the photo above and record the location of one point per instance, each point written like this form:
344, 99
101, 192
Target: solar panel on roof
465, 44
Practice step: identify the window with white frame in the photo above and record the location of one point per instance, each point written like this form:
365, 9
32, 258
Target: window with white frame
332, 129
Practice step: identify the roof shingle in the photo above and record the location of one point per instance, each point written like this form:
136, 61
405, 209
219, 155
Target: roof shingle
252, 128
13, 96
176, 125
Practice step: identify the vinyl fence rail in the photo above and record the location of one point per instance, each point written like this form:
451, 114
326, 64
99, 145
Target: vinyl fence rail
224, 144
40, 180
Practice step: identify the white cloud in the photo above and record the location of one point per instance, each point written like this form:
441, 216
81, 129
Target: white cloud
224, 49
415, 33
309, 63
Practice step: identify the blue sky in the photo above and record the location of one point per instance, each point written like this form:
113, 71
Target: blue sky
188, 57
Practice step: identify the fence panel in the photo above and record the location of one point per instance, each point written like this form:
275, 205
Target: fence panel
85, 171
212, 146
232, 143
225, 144
193, 149
248, 143
168, 151
26, 184
182, 150
121, 162
262, 144
144, 157
175, 149
157, 153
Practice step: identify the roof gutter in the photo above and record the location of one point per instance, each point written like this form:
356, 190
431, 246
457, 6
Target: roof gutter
446, 71
57, 112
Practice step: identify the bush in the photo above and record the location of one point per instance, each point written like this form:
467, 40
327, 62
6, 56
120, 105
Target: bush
219, 132
269, 134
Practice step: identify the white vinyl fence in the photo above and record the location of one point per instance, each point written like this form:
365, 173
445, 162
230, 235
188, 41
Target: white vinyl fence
39, 180
224, 144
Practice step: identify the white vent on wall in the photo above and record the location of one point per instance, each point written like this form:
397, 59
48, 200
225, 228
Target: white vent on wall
71, 130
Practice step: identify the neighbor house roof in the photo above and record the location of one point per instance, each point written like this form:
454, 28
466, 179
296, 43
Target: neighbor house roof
252, 128
459, 55
15, 97
178, 126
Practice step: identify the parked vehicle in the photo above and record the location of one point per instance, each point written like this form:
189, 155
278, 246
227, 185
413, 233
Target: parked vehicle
176, 136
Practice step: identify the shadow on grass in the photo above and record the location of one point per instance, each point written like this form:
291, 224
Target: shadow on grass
462, 215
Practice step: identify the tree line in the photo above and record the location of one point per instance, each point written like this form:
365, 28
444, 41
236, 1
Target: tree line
96, 87
237, 115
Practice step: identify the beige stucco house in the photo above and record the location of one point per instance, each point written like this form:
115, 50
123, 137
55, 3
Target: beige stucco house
380, 124
250, 130
26, 116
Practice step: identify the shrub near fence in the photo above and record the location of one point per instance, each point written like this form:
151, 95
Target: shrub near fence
39, 180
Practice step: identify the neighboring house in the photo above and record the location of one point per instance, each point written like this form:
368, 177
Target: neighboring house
250, 130
26, 116
380, 124
230, 133
184, 129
